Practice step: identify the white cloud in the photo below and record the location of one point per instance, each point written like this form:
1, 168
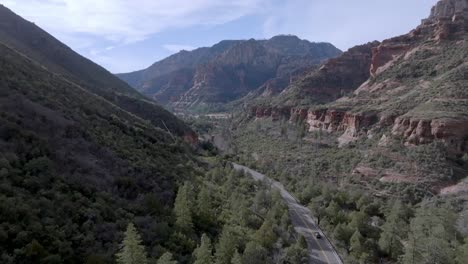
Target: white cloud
124, 21
177, 47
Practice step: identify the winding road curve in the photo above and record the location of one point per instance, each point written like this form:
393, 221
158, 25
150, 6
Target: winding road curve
320, 250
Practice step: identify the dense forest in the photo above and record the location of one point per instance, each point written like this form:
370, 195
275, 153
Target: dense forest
369, 221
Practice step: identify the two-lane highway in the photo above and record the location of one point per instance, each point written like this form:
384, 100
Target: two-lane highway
320, 249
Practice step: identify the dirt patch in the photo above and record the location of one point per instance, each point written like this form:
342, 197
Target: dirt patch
456, 189
394, 177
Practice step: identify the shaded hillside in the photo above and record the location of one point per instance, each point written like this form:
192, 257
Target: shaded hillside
208, 77
74, 168
44, 49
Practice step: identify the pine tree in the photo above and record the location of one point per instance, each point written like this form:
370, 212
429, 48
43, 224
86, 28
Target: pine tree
203, 254
432, 237
297, 253
204, 205
182, 209
265, 235
131, 250
462, 252
237, 258
226, 247
393, 231
356, 244
166, 258
254, 254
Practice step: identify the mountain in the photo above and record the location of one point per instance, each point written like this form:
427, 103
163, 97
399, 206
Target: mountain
210, 77
82, 154
411, 89
33, 42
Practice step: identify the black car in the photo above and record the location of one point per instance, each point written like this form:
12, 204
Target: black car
318, 235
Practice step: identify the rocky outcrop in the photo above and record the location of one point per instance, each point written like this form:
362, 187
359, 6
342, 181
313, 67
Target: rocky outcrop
385, 53
276, 113
351, 124
298, 114
335, 78
453, 132
446, 21
448, 9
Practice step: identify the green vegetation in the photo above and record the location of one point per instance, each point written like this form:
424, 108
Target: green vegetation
367, 219
131, 250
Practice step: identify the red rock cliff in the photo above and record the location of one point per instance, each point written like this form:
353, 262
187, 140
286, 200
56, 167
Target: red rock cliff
453, 132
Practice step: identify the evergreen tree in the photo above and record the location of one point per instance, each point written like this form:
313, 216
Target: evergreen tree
462, 252
226, 247
316, 205
131, 250
203, 254
204, 205
265, 235
432, 237
393, 231
182, 209
297, 253
166, 258
342, 233
237, 258
254, 254
359, 221
356, 244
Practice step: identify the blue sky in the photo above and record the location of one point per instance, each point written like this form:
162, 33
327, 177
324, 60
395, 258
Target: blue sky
127, 35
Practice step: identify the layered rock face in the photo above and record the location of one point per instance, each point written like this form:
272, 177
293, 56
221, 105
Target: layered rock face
453, 132
446, 21
334, 78
276, 113
330, 120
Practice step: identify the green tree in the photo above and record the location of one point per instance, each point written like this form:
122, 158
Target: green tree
462, 252
316, 205
356, 244
166, 258
182, 209
432, 236
265, 235
254, 253
226, 247
359, 221
297, 253
343, 233
237, 258
394, 230
204, 205
131, 250
203, 254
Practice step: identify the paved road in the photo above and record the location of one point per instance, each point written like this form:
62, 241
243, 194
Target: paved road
320, 250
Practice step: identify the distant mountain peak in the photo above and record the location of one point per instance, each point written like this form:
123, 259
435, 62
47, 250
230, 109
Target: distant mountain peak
228, 70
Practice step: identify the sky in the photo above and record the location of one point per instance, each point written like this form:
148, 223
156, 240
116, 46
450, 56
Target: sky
128, 35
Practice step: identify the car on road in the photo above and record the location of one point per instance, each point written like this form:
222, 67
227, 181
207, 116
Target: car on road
317, 235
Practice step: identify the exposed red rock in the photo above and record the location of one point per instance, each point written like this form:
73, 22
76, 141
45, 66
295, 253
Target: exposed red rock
446, 21
335, 78
351, 124
453, 132
298, 113
385, 53
191, 138
276, 113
